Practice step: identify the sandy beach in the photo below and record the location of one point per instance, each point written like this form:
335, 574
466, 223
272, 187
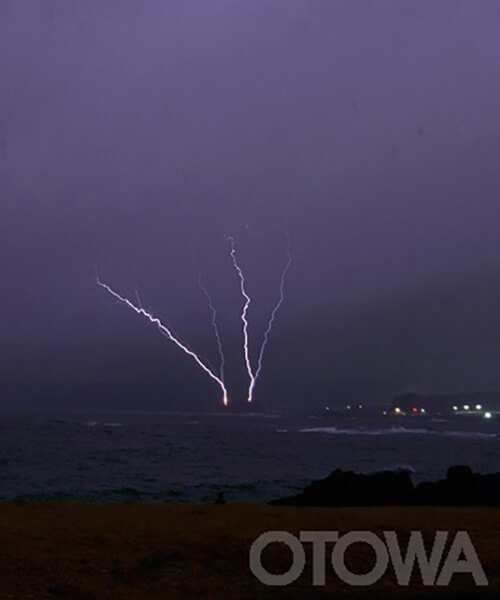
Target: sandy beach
181, 551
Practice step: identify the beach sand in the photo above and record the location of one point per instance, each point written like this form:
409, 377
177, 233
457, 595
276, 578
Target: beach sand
174, 551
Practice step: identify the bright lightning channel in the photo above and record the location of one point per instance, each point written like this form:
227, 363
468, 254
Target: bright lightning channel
281, 298
254, 375
246, 305
166, 331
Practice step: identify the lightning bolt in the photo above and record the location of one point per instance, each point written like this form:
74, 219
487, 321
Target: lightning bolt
246, 305
213, 312
166, 331
281, 298
254, 375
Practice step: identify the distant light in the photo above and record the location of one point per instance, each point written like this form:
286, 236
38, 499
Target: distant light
455, 408
348, 407
327, 407
360, 406
466, 407
487, 415
478, 407
397, 410
384, 412
422, 410
414, 409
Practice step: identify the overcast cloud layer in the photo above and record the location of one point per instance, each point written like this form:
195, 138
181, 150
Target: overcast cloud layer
136, 133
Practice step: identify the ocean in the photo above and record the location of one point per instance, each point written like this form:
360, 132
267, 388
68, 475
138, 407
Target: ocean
164, 456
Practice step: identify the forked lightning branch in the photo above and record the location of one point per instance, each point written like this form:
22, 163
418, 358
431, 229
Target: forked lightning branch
218, 376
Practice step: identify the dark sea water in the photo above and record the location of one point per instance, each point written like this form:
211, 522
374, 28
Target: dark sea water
120, 456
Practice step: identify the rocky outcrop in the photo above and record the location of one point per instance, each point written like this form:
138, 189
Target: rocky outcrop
461, 487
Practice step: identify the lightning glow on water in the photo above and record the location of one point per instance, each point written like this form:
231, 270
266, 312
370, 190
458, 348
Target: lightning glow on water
168, 333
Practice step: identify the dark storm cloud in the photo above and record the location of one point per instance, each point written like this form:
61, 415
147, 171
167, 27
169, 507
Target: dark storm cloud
133, 132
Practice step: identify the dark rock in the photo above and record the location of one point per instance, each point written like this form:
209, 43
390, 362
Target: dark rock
347, 488
462, 487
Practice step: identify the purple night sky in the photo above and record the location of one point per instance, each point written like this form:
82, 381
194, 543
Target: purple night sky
133, 132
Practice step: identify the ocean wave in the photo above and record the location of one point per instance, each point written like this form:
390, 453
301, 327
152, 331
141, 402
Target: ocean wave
398, 431
96, 423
